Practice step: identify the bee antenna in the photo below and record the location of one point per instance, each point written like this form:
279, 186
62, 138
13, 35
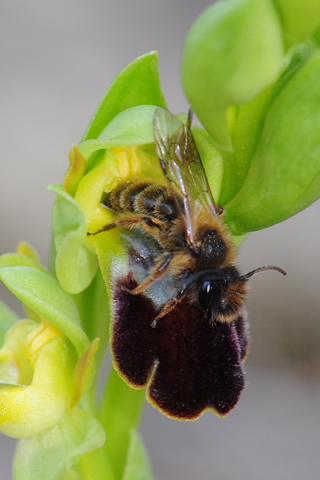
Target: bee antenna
263, 269
189, 119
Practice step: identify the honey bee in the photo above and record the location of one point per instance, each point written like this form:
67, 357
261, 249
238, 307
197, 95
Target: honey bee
179, 313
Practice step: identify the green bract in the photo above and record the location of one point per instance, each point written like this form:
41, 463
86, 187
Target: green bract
284, 173
54, 453
255, 89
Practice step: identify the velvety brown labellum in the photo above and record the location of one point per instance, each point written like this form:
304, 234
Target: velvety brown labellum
190, 364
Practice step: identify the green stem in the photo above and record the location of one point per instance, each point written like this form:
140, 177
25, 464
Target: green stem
120, 412
93, 306
95, 466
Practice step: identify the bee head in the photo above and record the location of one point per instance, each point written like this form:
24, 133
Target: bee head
221, 293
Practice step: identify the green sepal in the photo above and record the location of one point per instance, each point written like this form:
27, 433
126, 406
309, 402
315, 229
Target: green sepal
26, 255
43, 294
76, 170
299, 19
54, 453
18, 260
37, 399
25, 249
233, 51
137, 84
246, 130
249, 122
137, 463
75, 265
7, 319
15, 341
284, 173
129, 128
84, 372
211, 159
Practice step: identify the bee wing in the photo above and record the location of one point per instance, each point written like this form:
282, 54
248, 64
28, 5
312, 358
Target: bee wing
197, 174
182, 167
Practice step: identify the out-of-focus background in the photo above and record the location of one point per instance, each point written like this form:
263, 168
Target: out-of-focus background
57, 60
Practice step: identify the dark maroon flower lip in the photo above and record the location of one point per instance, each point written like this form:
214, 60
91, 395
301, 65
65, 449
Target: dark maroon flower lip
188, 364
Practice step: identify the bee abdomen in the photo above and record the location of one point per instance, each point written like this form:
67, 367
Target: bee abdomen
143, 198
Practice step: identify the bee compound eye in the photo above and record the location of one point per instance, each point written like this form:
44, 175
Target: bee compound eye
209, 294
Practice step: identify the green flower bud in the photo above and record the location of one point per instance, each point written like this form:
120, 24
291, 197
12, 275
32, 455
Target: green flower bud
233, 51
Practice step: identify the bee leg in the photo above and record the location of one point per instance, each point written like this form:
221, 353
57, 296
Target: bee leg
158, 272
132, 222
170, 305
110, 226
165, 310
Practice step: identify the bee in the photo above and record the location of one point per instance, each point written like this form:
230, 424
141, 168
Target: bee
179, 311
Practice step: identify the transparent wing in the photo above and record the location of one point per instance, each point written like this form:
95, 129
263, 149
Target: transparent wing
198, 178
182, 167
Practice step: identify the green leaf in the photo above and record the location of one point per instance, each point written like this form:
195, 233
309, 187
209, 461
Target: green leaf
120, 413
43, 294
137, 465
53, 454
76, 266
137, 84
233, 51
284, 174
7, 319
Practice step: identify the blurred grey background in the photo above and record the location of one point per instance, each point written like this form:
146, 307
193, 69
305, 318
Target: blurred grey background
57, 60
